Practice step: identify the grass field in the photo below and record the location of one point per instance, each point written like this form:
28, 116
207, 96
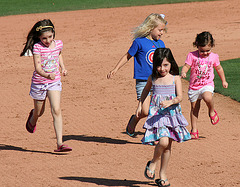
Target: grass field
14, 7
232, 73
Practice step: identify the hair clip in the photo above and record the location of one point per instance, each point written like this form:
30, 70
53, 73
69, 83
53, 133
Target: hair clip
162, 15
43, 27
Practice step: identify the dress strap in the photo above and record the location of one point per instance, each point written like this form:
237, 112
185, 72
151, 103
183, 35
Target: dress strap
173, 79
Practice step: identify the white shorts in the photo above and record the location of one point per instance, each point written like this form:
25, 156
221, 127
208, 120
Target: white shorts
194, 95
39, 91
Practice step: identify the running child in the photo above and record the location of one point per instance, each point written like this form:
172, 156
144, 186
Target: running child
147, 38
46, 79
201, 85
165, 122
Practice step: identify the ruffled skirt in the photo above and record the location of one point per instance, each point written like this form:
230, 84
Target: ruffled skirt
160, 126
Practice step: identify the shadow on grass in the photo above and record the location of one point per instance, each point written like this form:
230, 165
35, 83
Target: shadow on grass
14, 148
96, 139
106, 182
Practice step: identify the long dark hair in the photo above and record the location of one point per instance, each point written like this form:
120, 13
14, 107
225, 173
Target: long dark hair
36, 32
158, 57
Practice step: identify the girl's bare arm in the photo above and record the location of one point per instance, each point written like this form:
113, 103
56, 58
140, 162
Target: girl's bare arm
39, 70
221, 74
121, 63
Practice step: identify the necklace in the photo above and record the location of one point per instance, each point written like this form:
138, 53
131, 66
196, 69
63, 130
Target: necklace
159, 46
199, 68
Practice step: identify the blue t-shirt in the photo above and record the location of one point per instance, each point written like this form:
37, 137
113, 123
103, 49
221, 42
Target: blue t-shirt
143, 49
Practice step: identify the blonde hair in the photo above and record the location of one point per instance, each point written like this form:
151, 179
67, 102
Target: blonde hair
150, 23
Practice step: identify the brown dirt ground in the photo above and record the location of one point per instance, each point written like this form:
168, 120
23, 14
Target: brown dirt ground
96, 110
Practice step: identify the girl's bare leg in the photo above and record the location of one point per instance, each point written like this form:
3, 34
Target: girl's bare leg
163, 144
39, 107
55, 98
195, 107
208, 98
134, 120
164, 162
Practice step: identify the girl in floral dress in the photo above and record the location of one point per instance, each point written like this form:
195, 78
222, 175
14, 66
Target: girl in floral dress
165, 121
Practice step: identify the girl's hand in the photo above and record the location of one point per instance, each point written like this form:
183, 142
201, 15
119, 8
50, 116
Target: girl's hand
225, 84
111, 74
64, 72
51, 76
183, 75
184, 70
166, 104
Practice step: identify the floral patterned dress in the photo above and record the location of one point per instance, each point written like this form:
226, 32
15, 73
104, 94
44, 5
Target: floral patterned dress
165, 122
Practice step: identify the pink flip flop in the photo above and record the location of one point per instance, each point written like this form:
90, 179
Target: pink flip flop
63, 148
213, 118
195, 134
30, 128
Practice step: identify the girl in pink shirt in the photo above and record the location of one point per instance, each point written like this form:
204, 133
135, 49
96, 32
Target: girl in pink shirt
201, 85
46, 79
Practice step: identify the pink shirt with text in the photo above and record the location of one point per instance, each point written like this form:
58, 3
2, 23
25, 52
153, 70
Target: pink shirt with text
202, 72
49, 61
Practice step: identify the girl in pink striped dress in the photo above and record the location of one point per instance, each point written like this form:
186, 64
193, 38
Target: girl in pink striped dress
46, 79
165, 121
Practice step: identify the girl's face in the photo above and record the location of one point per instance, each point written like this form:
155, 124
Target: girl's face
204, 51
157, 32
165, 67
46, 38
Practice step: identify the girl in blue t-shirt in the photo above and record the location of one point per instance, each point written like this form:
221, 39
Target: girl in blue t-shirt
147, 38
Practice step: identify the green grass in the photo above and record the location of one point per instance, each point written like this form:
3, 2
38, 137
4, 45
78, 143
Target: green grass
232, 74
14, 7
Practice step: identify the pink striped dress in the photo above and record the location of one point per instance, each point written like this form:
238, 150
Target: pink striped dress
165, 122
49, 61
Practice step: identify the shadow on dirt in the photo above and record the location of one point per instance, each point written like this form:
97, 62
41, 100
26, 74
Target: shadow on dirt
106, 182
14, 148
97, 139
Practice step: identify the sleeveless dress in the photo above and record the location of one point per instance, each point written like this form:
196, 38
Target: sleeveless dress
165, 122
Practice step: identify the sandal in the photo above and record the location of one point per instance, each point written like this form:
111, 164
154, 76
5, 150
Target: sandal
213, 118
30, 128
63, 148
130, 134
148, 169
195, 134
161, 182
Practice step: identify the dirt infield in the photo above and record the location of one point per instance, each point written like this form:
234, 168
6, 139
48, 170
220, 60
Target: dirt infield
96, 110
